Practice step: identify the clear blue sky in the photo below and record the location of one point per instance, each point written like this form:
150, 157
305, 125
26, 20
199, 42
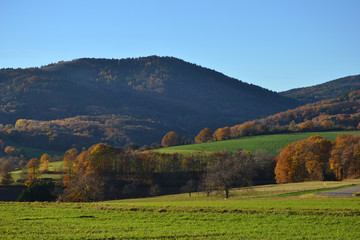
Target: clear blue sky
278, 45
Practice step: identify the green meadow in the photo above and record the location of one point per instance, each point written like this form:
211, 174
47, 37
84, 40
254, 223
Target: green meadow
270, 143
55, 169
264, 215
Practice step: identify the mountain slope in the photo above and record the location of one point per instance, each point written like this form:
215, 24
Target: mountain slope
324, 91
156, 94
341, 113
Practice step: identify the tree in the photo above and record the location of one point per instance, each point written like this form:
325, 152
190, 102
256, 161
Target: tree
170, 139
229, 171
85, 188
189, 187
68, 161
204, 135
345, 156
33, 171
38, 191
6, 178
11, 151
101, 154
304, 160
44, 161
222, 133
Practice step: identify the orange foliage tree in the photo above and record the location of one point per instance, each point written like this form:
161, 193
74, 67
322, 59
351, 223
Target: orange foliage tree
68, 161
170, 139
44, 161
222, 133
33, 171
204, 135
304, 160
345, 156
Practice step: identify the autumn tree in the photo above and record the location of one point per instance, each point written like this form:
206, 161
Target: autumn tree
84, 189
204, 135
11, 151
345, 156
170, 139
222, 133
230, 170
101, 155
45, 161
306, 126
68, 161
303, 160
33, 169
6, 178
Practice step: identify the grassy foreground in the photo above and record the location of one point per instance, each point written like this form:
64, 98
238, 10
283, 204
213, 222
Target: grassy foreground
271, 143
182, 217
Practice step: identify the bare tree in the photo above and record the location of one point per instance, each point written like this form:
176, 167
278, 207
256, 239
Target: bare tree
190, 186
6, 178
86, 188
232, 170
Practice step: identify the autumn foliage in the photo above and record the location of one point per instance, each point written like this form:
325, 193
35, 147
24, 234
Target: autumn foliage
319, 159
204, 135
170, 139
345, 156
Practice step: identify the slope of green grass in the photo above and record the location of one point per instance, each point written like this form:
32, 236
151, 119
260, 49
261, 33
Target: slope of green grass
271, 143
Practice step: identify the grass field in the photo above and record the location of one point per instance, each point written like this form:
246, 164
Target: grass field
181, 217
53, 167
271, 143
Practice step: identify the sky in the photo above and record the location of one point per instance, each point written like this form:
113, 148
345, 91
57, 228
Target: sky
277, 44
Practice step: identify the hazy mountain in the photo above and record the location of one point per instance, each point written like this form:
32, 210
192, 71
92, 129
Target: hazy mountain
324, 91
140, 99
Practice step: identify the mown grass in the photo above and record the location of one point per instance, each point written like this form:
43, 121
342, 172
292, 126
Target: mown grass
196, 217
295, 218
271, 143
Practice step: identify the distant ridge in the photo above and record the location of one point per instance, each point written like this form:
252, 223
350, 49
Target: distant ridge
324, 91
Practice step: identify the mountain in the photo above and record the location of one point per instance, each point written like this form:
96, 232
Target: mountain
125, 101
324, 91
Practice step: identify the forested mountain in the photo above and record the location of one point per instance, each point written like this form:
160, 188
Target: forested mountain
124, 101
324, 91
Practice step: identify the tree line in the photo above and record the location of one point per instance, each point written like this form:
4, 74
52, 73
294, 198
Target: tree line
106, 172
317, 158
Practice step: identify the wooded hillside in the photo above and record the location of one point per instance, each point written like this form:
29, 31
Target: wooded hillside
125, 101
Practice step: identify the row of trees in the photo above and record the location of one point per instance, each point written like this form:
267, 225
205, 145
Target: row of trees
90, 173
104, 171
317, 158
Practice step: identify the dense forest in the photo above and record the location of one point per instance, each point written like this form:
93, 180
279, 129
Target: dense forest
124, 101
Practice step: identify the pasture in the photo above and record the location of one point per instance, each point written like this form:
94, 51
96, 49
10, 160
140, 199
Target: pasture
270, 143
271, 216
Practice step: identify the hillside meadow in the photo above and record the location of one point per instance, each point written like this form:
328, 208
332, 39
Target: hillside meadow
270, 143
306, 216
